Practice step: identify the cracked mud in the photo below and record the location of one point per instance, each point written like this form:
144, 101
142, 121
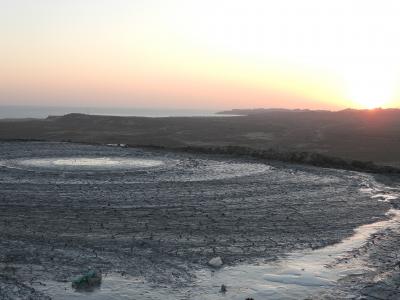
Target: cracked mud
158, 217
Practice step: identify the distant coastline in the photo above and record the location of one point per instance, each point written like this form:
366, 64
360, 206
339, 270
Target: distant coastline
41, 112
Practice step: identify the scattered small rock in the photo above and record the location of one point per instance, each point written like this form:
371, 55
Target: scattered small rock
216, 262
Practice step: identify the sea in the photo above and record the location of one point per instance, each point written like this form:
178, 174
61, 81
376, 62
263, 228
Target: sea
14, 112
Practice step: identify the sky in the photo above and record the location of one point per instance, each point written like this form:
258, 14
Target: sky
317, 54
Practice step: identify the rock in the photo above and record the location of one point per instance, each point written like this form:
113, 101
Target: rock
216, 262
223, 288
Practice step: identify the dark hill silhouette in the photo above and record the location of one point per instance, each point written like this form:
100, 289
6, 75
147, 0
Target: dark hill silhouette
362, 135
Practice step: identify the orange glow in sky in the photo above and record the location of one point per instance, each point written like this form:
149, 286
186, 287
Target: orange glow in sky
201, 54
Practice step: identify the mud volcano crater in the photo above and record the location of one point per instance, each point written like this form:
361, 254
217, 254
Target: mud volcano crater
159, 215
85, 163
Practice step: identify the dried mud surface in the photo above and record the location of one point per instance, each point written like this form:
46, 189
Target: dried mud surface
162, 222
379, 259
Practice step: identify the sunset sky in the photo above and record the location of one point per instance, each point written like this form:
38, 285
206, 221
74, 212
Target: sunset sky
317, 54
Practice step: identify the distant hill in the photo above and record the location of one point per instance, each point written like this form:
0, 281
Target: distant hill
366, 135
255, 111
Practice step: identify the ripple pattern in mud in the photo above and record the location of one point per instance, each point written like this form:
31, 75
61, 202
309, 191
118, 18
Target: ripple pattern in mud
126, 167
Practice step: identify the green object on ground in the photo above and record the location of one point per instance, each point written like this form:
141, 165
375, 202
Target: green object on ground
89, 280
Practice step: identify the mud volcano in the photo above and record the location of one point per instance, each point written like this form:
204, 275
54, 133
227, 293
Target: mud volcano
84, 163
156, 218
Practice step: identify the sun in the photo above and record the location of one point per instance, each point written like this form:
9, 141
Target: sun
370, 96
371, 104
370, 90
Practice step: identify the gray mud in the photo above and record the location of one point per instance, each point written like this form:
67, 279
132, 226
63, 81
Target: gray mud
164, 216
378, 258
